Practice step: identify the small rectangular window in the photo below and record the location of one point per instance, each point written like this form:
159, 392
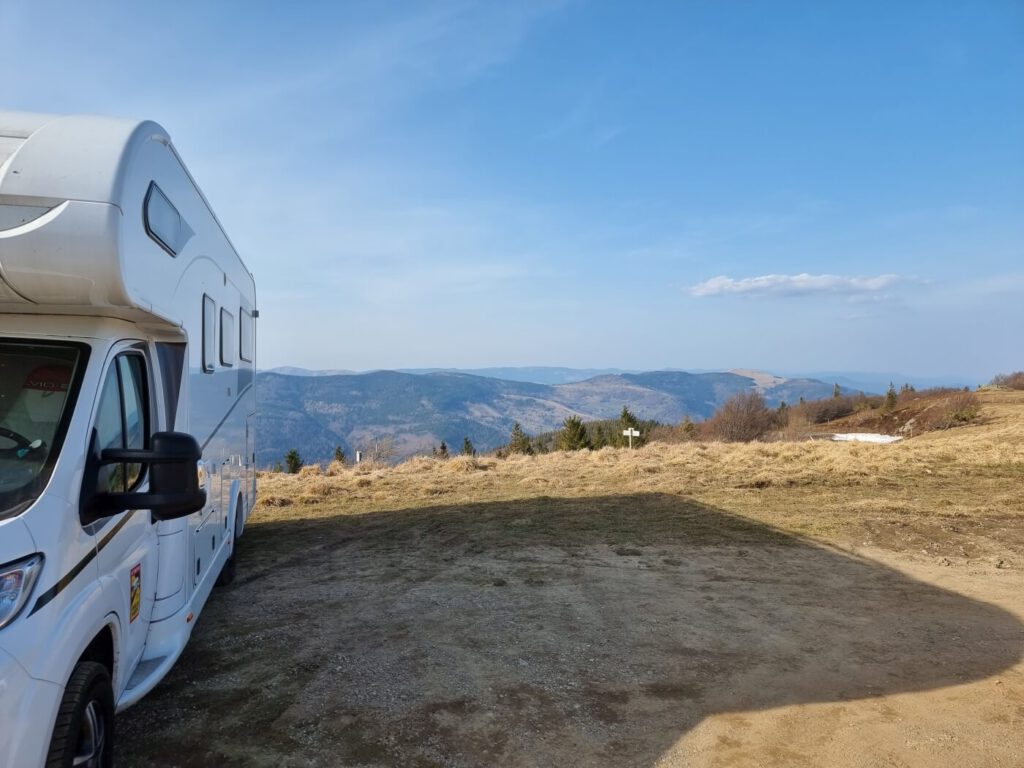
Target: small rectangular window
209, 334
227, 338
163, 222
245, 335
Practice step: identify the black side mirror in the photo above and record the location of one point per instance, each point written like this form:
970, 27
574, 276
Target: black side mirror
173, 479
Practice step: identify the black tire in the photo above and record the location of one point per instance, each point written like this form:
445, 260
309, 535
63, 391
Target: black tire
227, 572
85, 720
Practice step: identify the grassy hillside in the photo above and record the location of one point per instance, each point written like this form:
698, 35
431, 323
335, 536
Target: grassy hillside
961, 489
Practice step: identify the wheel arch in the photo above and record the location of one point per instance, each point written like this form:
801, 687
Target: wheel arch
238, 509
102, 649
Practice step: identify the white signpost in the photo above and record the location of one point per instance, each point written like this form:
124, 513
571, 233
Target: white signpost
631, 433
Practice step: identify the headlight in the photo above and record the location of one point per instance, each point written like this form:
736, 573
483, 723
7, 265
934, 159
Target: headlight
16, 582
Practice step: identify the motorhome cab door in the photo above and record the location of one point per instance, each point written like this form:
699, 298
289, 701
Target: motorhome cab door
126, 543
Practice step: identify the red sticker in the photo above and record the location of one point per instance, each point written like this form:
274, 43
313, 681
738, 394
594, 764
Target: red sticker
49, 378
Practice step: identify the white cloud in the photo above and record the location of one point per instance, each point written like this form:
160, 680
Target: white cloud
794, 285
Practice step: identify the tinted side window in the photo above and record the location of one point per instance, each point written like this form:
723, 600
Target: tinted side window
122, 421
227, 339
110, 432
209, 334
136, 421
163, 222
245, 331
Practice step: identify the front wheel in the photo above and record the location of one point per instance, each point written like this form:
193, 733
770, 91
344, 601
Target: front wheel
84, 732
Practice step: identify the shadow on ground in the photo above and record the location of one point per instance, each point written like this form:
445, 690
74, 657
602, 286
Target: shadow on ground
591, 631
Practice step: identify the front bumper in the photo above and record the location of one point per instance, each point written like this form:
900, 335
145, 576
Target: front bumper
28, 709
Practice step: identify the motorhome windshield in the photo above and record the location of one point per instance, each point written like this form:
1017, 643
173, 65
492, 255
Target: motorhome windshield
39, 383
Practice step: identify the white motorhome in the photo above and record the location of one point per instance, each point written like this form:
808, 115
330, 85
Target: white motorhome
127, 364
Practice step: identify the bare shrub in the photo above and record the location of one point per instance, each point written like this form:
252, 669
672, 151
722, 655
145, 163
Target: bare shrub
741, 418
1013, 380
956, 409
795, 426
862, 402
939, 391
829, 409
683, 432
381, 450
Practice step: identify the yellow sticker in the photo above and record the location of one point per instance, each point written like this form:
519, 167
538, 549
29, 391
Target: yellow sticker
136, 593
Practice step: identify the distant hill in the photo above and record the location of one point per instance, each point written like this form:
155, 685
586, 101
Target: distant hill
315, 413
873, 383
291, 370
534, 374
538, 374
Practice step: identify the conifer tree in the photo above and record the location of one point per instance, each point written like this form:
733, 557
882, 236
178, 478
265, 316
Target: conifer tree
890, 398
836, 391
689, 428
519, 441
339, 454
573, 435
467, 447
442, 450
293, 461
628, 421
278, 467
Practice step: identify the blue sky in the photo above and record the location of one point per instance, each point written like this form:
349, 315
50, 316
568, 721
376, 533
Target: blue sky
777, 185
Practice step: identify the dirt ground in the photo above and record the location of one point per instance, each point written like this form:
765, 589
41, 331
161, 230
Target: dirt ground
843, 619
707, 640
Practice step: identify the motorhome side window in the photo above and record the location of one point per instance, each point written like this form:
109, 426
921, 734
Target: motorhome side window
163, 222
227, 338
245, 335
122, 420
209, 333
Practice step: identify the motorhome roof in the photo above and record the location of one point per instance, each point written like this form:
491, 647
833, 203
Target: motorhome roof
74, 157
78, 157
76, 231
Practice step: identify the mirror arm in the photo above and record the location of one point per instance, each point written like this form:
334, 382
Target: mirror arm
137, 456
147, 500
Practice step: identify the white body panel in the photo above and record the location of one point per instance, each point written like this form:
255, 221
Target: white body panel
79, 264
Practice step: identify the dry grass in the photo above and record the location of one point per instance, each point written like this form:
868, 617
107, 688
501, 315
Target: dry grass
818, 488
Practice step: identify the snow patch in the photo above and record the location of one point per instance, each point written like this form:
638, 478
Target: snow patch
865, 437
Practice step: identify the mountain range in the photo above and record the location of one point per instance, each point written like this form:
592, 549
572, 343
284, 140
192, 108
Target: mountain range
314, 412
